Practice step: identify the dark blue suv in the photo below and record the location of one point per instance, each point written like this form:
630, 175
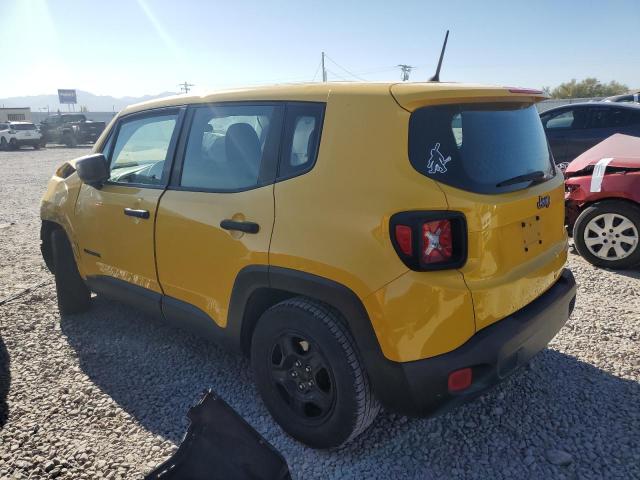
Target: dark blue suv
573, 129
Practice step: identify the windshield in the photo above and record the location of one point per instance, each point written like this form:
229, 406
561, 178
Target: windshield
23, 126
477, 147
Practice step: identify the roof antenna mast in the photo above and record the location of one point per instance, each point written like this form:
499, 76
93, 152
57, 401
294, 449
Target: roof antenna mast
436, 77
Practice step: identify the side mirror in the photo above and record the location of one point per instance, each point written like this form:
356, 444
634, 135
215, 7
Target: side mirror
93, 169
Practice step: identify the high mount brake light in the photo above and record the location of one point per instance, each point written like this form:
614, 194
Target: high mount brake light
530, 91
430, 240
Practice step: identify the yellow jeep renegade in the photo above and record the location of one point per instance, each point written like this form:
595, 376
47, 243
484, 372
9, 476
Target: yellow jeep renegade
395, 244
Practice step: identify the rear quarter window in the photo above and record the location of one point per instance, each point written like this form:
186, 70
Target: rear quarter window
476, 146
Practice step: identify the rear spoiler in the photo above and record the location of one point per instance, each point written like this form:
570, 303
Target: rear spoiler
411, 96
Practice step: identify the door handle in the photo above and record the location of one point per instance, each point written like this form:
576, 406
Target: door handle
246, 227
136, 213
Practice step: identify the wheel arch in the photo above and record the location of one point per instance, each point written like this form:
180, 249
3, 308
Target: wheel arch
582, 207
259, 287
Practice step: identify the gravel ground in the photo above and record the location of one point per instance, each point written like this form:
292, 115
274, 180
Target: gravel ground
104, 394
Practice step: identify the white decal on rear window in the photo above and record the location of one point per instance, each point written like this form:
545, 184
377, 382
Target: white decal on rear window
598, 173
437, 163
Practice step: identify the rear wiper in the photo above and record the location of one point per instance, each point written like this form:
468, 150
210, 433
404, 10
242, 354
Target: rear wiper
538, 175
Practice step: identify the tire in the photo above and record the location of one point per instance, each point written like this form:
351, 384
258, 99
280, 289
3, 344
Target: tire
73, 294
13, 144
335, 403
613, 225
3, 144
70, 140
36, 146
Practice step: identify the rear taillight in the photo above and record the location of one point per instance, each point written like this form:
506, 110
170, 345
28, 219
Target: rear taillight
437, 241
430, 240
404, 239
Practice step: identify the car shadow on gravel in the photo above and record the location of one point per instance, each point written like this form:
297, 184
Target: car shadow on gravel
5, 383
155, 373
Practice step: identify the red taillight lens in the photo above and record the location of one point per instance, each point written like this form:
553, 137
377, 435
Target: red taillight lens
429, 240
437, 241
460, 379
404, 239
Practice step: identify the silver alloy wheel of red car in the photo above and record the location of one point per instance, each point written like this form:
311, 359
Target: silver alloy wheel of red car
611, 236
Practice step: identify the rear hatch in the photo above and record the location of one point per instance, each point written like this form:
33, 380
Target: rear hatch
25, 131
486, 149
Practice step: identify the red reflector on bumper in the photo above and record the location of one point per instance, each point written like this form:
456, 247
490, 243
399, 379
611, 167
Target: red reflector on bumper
460, 379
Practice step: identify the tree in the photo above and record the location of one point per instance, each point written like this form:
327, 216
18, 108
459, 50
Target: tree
587, 88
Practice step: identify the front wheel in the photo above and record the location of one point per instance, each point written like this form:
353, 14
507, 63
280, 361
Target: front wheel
73, 294
309, 373
607, 234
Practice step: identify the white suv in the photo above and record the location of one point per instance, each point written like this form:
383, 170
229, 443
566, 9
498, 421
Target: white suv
13, 135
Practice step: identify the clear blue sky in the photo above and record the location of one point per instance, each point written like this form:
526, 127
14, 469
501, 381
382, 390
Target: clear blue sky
135, 47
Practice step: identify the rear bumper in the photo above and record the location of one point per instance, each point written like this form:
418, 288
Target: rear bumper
420, 388
28, 141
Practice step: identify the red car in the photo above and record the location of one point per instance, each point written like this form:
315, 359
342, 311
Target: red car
603, 202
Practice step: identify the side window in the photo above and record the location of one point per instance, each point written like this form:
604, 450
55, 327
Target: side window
106, 147
609, 117
303, 124
227, 146
561, 120
141, 149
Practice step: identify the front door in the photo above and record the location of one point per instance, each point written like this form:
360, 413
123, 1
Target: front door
217, 215
116, 222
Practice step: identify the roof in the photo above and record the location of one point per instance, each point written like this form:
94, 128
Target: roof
623, 150
632, 106
320, 92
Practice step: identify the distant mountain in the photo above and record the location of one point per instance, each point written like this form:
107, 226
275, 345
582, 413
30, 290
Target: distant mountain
94, 103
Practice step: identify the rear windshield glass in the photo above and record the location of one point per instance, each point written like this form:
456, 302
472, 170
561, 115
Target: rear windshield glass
475, 147
23, 126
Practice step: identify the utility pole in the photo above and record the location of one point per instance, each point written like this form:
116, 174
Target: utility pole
185, 87
405, 70
324, 70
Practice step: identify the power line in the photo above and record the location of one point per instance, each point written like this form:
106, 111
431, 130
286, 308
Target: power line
339, 76
317, 70
344, 69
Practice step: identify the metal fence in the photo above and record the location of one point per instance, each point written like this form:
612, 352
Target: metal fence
558, 102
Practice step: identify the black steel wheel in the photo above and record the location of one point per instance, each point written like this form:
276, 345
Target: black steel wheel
302, 376
310, 375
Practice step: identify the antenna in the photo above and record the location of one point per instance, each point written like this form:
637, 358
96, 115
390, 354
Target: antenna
436, 77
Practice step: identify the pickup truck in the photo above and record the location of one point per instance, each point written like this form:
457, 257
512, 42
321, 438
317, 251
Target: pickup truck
70, 129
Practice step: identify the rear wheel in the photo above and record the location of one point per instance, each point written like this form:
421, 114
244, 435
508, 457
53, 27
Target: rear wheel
309, 373
607, 234
70, 140
73, 294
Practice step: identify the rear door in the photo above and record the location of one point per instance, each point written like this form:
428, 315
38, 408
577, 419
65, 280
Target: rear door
218, 212
516, 237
